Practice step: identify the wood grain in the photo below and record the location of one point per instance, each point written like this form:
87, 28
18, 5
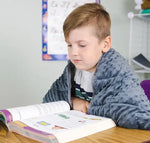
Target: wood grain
113, 135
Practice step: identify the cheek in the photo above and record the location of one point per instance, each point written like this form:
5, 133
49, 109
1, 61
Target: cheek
69, 57
94, 57
69, 53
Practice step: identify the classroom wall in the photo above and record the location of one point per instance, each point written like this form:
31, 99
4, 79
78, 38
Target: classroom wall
24, 77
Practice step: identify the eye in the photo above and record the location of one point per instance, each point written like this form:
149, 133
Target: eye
69, 45
82, 45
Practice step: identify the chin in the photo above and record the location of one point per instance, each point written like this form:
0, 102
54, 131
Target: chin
79, 68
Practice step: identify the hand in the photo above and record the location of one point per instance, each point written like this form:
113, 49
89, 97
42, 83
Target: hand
79, 104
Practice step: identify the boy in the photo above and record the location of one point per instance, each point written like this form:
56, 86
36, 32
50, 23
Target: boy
97, 79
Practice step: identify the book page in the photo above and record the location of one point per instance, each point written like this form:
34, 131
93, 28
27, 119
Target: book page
67, 125
57, 122
31, 111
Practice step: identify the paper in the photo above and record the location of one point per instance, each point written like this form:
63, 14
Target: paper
54, 14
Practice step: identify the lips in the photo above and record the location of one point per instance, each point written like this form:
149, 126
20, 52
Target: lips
76, 60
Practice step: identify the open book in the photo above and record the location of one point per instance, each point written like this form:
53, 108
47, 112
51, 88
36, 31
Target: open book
142, 61
53, 122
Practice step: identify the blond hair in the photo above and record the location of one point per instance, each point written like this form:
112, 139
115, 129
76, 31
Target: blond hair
89, 13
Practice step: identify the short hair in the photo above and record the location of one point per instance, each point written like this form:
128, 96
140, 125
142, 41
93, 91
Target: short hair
89, 13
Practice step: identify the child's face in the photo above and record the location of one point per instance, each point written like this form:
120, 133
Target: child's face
84, 48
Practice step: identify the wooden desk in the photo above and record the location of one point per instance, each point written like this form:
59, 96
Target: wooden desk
113, 135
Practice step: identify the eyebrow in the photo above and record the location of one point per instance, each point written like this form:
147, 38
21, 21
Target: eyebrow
78, 41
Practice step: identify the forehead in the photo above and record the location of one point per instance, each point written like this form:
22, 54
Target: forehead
82, 33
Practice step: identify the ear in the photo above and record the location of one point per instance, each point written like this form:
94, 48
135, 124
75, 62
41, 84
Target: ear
107, 44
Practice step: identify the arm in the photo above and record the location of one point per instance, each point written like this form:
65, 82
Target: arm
117, 93
59, 89
124, 102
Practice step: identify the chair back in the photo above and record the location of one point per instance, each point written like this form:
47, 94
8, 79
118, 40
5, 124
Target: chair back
145, 84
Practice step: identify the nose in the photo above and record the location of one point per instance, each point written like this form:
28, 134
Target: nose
74, 51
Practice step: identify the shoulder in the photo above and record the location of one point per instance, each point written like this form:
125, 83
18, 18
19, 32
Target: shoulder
114, 68
113, 57
111, 63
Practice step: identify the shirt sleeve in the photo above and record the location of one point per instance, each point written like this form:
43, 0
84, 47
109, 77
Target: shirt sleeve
59, 89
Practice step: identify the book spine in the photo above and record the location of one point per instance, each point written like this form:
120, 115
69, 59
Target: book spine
29, 132
5, 116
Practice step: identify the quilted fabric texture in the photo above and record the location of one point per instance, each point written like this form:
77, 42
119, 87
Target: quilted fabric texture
117, 92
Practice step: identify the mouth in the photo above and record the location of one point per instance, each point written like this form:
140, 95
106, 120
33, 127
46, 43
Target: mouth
76, 60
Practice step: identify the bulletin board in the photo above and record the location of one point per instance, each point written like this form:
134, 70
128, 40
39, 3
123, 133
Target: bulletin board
54, 13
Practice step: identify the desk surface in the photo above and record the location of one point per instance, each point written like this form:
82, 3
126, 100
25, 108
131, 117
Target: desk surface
113, 135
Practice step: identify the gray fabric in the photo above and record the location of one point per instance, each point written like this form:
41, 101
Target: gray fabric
117, 92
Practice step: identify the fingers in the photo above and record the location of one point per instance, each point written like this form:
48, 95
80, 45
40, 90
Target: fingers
80, 104
85, 109
87, 104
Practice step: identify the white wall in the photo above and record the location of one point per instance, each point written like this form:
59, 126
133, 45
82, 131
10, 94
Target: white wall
24, 77
118, 10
